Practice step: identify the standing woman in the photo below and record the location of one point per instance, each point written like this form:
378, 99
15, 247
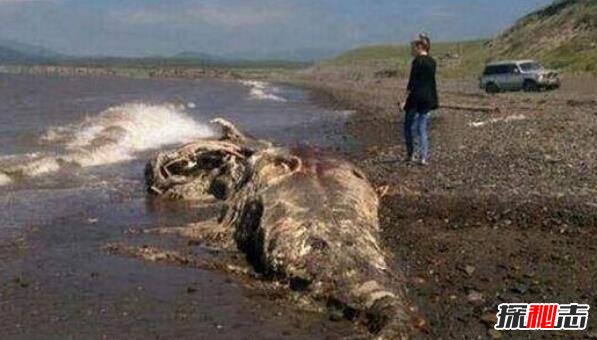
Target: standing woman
422, 98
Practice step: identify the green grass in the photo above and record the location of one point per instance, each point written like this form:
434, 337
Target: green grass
467, 58
570, 59
561, 35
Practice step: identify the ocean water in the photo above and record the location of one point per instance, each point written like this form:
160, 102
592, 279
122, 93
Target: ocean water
50, 124
72, 153
73, 135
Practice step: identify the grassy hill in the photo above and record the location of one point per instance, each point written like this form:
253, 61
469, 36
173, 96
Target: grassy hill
561, 36
456, 59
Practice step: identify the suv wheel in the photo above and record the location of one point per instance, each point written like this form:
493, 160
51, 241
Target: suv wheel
530, 86
492, 88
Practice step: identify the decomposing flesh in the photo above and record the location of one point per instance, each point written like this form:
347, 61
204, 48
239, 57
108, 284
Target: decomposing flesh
301, 218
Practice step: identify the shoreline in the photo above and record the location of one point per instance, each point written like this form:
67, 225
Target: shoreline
492, 219
59, 279
167, 72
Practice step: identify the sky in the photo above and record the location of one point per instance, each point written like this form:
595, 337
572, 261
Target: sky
247, 27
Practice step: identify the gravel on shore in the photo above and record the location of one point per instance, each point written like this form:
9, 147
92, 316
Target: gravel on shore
505, 212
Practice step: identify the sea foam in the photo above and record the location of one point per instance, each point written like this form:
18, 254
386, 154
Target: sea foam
4, 179
262, 90
112, 136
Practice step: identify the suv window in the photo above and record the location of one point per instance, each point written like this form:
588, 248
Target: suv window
490, 70
513, 69
534, 66
500, 69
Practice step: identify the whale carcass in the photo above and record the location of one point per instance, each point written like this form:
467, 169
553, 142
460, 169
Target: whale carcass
303, 219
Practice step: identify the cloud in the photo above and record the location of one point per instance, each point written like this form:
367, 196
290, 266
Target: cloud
441, 13
246, 27
239, 16
2, 2
230, 16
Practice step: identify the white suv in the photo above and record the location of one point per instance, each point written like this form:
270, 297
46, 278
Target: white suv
515, 75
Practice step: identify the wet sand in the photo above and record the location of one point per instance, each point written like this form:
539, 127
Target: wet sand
58, 280
60, 283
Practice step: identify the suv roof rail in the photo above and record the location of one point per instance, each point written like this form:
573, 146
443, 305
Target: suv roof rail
508, 62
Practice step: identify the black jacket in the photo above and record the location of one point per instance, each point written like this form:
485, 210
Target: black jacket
421, 86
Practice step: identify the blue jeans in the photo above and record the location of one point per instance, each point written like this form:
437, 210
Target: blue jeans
421, 119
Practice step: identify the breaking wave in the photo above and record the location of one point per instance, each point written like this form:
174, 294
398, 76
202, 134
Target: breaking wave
115, 135
262, 90
4, 179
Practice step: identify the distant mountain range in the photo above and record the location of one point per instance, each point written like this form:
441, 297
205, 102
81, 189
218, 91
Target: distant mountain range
296, 55
29, 50
16, 52
192, 55
10, 55
12, 52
